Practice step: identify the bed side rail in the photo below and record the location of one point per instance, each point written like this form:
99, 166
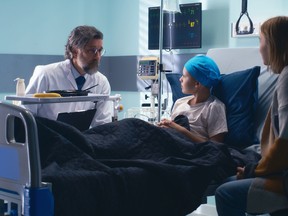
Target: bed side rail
20, 169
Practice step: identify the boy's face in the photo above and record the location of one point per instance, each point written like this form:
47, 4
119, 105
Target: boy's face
188, 83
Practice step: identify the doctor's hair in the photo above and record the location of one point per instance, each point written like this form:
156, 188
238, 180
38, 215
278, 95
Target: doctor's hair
275, 31
79, 37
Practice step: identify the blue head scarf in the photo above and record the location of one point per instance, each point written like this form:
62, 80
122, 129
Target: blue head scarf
204, 70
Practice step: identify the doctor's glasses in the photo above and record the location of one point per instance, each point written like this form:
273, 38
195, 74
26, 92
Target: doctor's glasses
95, 51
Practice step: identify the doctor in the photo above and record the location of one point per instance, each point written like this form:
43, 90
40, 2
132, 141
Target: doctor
83, 53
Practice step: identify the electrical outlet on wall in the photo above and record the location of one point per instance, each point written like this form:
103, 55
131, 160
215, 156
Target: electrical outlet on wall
245, 27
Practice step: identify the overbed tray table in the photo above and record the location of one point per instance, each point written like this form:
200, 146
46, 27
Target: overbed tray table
29, 99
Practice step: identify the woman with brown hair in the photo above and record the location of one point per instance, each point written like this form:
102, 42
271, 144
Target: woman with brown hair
259, 187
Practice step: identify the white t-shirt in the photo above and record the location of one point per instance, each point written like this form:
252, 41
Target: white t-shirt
206, 119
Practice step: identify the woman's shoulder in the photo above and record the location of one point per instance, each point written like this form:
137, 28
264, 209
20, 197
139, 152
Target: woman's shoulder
281, 88
282, 82
284, 74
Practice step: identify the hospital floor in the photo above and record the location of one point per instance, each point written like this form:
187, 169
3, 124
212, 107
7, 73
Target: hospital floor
209, 209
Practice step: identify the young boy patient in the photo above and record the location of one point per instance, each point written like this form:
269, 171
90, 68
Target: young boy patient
205, 113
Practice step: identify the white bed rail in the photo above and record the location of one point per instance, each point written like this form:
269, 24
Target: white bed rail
20, 168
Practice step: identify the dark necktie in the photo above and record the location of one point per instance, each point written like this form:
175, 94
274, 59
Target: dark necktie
80, 82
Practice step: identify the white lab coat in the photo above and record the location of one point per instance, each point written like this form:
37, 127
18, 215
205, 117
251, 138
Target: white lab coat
59, 76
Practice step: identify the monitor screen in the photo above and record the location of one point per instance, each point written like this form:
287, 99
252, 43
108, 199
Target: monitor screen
180, 30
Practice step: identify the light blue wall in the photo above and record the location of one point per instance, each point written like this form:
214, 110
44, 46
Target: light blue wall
42, 27
122, 27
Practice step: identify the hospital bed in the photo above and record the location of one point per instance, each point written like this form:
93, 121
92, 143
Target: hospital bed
230, 62
247, 92
22, 191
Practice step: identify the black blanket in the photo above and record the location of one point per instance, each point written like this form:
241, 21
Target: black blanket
130, 167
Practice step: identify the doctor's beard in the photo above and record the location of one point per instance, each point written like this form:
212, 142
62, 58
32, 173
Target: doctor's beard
91, 68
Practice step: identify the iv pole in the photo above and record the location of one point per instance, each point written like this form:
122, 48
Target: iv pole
160, 68
169, 8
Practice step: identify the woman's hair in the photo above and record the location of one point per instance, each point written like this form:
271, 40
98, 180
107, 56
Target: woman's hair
275, 31
79, 37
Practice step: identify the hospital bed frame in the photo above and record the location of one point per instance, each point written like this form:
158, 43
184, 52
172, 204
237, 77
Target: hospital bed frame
21, 189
